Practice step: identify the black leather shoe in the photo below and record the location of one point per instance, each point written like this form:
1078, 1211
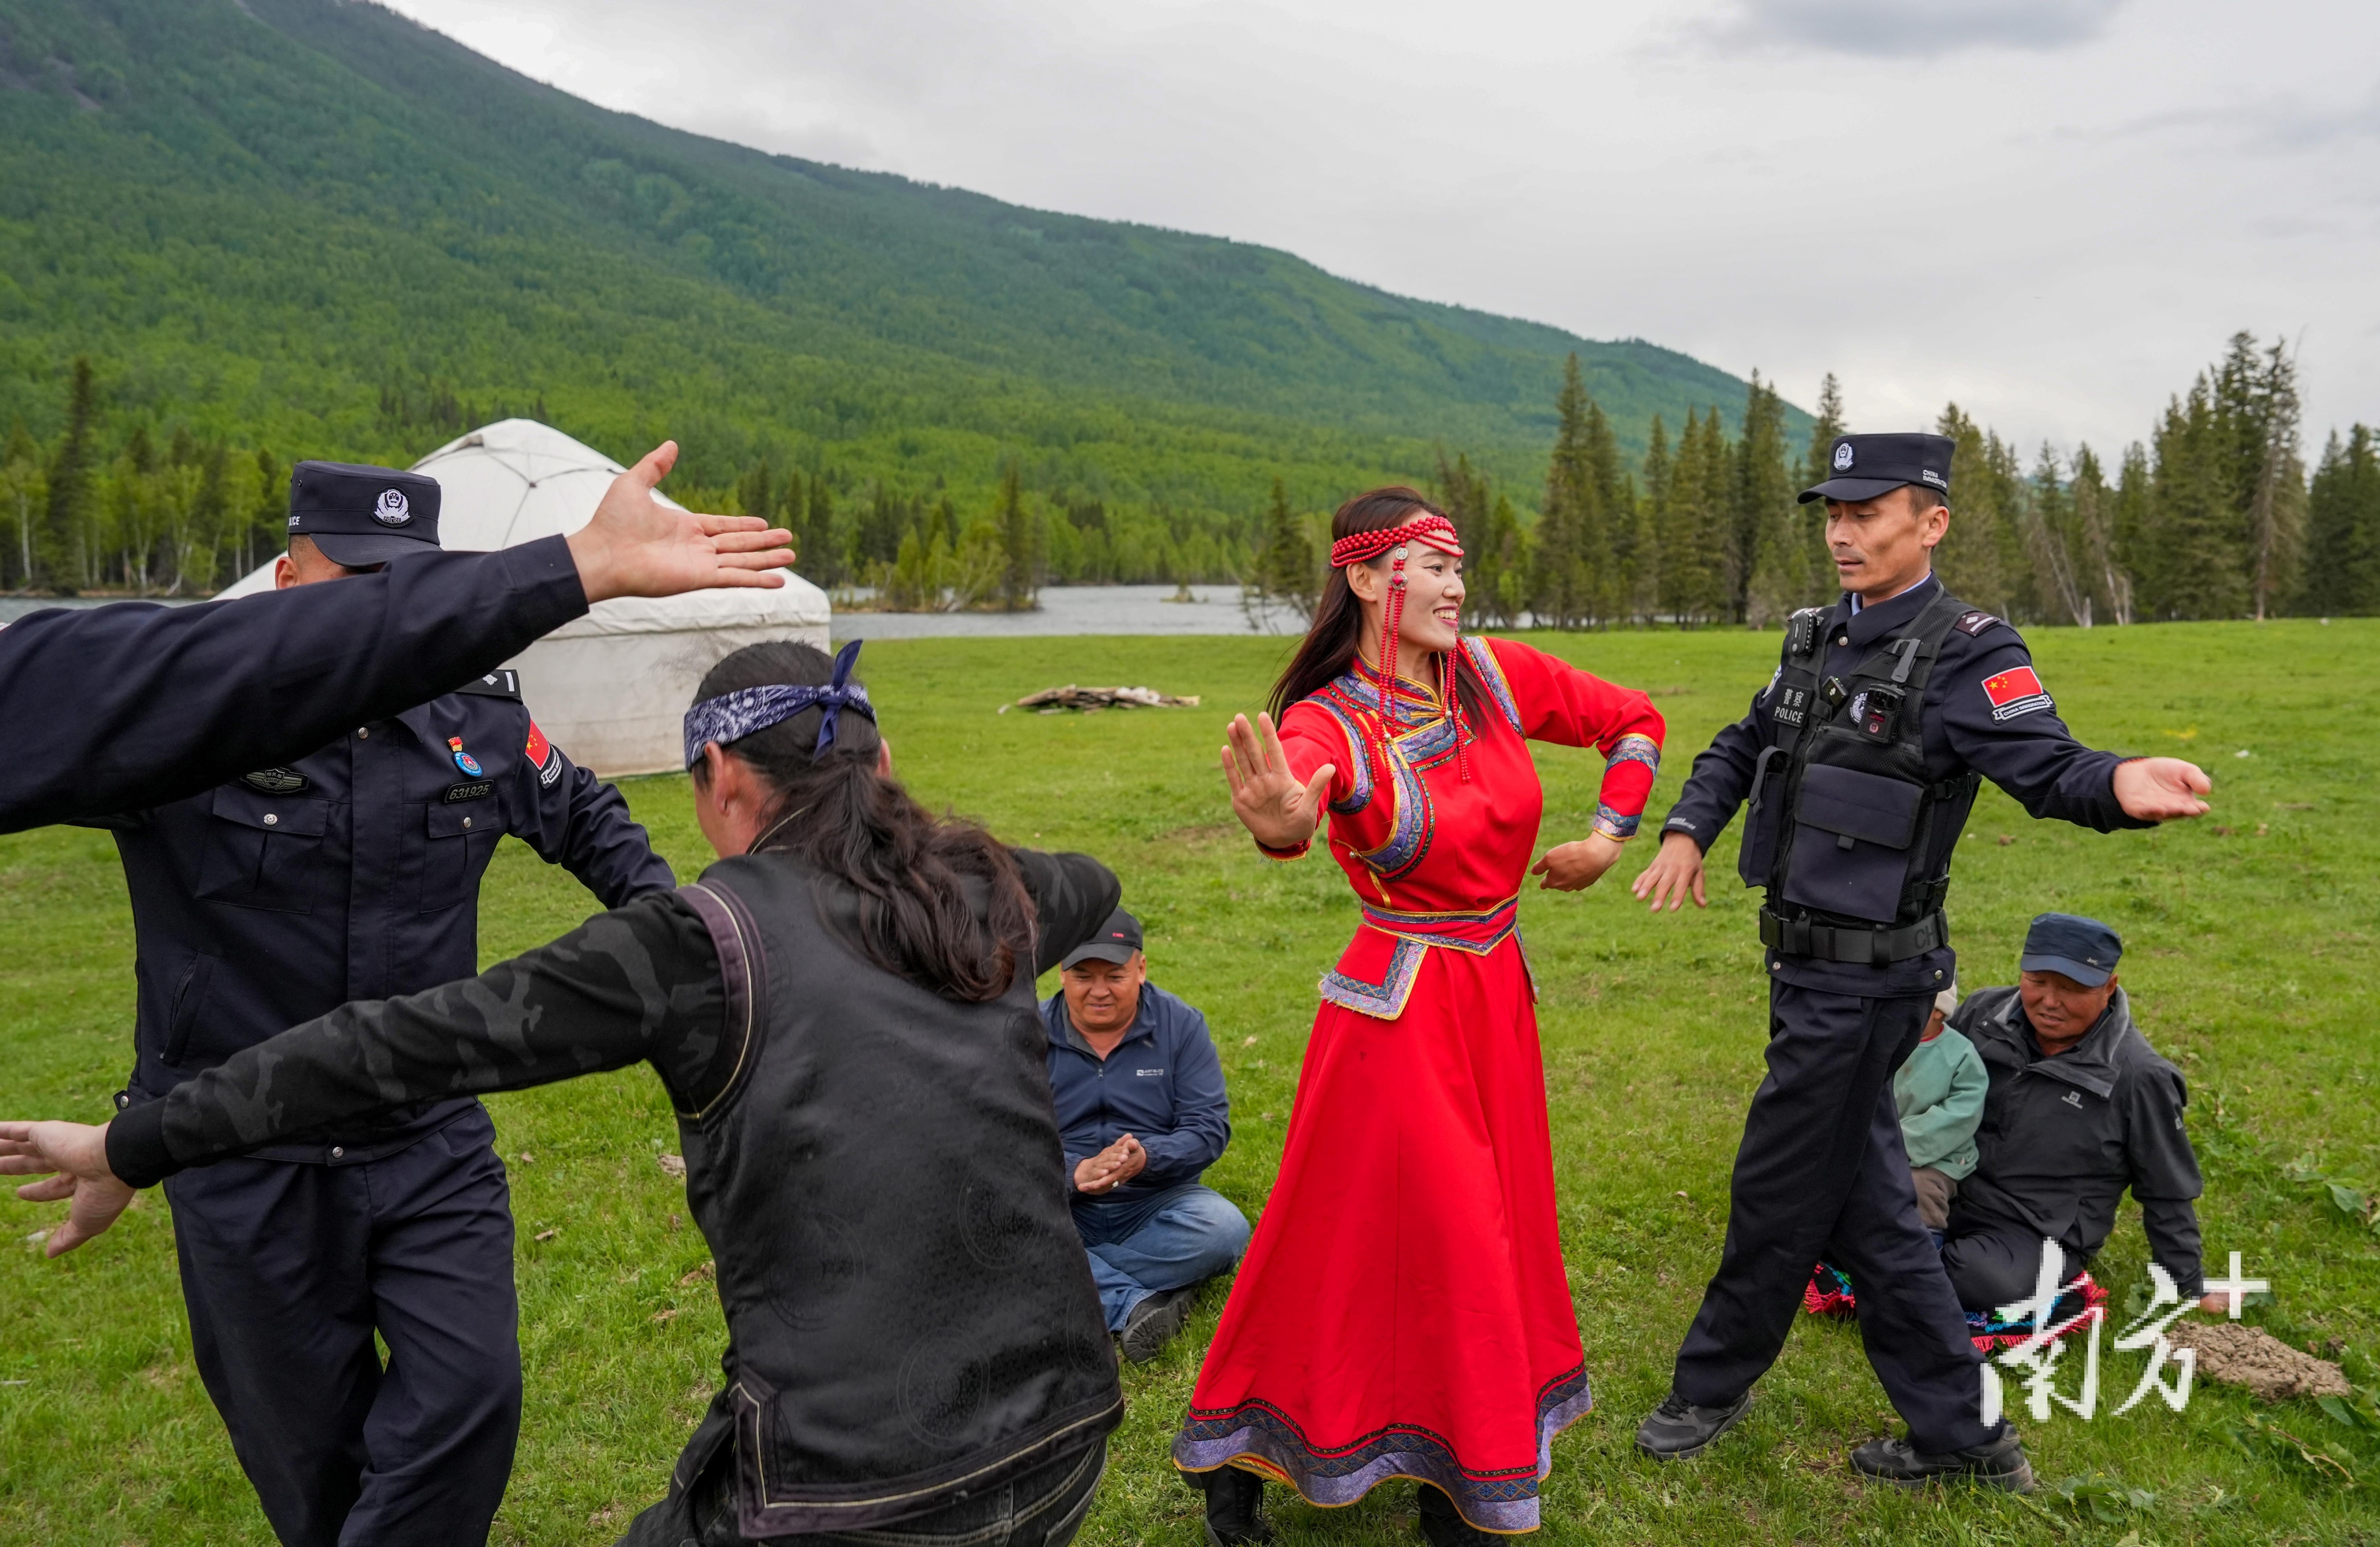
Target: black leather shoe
1677, 1429
1155, 1322
1234, 1506
1998, 1463
1443, 1525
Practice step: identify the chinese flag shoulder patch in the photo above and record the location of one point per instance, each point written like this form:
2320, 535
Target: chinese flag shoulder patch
2014, 692
538, 746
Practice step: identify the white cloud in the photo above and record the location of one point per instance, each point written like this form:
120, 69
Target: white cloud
2056, 222
1912, 29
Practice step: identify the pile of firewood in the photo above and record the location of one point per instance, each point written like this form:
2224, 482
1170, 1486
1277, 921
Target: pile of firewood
1091, 700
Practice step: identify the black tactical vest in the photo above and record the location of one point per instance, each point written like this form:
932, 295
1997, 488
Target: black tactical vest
910, 1314
1842, 816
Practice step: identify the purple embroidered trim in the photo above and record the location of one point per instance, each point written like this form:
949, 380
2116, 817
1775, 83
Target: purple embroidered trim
1260, 1432
1610, 824
1359, 794
1384, 1000
1492, 671
1634, 748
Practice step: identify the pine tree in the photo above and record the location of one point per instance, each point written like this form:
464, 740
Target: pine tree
2093, 504
58, 553
1020, 546
1969, 557
1816, 469
822, 556
1498, 582
1694, 586
2191, 562
1284, 573
2049, 538
24, 493
1770, 552
2276, 500
1563, 594
2342, 525
1653, 517
1463, 492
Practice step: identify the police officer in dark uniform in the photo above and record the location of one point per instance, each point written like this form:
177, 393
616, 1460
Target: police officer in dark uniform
1857, 765
353, 873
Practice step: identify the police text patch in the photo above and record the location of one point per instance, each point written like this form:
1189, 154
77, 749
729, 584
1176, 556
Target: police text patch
2014, 692
471, 790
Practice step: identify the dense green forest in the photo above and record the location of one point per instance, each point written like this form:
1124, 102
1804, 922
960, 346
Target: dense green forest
233, 233
2212, 516
320, 229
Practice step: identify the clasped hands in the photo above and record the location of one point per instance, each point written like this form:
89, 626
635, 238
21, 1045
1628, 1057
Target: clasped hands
1281, 812
1112, 1168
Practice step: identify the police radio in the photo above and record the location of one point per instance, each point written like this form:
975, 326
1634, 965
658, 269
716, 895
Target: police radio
1801, 633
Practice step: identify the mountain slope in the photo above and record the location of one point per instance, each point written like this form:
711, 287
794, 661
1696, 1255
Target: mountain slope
305, 219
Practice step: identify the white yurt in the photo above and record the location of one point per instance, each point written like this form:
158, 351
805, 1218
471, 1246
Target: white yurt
611, 688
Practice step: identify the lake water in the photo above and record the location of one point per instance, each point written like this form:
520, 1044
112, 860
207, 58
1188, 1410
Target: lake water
1064, 610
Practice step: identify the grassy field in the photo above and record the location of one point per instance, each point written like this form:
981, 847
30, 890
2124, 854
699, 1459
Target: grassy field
2251, 940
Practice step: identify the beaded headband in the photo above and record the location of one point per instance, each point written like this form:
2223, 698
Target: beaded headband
1355, 548
731, 717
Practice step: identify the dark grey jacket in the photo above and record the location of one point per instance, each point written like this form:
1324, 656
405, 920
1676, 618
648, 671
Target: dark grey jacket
2062, 1138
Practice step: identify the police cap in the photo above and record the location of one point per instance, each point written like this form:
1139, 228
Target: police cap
2072, 946
1867, 466
360, 516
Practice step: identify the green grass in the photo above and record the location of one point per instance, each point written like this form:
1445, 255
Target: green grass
2252, 956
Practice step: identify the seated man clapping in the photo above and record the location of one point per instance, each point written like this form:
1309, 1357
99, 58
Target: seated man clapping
1141, 1112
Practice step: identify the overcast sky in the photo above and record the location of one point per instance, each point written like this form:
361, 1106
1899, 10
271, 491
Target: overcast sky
2052, 211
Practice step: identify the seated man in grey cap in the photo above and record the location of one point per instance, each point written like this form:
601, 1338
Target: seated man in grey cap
1141, 1113
2080, 1109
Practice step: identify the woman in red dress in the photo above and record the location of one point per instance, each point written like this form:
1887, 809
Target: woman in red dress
1402, 1310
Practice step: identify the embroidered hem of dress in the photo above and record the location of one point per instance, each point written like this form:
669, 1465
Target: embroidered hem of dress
1258, 1437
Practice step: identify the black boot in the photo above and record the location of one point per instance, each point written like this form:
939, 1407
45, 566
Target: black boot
1155, 1322
1997, 1463
1443, 1525
1677, 1429
1234, 1506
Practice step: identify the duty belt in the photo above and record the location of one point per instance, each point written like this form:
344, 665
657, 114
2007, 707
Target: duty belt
1855, 943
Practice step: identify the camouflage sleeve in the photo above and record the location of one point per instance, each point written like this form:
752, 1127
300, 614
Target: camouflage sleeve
638, 984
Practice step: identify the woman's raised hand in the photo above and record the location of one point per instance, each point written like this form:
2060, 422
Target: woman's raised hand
1277, 811
71, 1160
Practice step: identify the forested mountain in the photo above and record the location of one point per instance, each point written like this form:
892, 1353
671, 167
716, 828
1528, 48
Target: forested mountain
318, 228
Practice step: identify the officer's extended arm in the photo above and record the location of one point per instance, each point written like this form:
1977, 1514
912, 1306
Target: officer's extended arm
115, 708
2029, 751
582, 824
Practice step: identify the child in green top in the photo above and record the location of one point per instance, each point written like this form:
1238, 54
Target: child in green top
1940, 1094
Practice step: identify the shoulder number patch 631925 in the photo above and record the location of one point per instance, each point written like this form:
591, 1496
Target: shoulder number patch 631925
2014, 692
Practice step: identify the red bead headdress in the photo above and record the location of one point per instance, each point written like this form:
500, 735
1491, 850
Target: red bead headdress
1432, 530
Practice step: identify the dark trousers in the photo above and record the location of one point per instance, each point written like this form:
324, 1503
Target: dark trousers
1041, 1507
1993, 1262
1821, 1172
288, 1269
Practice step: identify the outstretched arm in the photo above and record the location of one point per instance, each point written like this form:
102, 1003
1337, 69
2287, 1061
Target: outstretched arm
116, 708
1558, 702
638, 983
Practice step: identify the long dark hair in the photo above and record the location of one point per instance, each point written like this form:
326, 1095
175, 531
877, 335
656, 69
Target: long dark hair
919, 879
1330, 644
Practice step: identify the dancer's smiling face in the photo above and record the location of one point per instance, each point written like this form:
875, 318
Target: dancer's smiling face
1433, 613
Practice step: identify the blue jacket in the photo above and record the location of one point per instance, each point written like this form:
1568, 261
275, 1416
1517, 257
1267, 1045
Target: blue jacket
1164, 1085
352, 872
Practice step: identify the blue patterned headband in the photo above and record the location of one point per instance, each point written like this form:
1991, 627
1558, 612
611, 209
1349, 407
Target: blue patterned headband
731, 717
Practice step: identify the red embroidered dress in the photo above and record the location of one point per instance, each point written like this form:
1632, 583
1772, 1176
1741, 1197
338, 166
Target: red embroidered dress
1403, 1311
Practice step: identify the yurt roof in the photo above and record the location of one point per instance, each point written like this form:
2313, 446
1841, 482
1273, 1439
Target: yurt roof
517, 480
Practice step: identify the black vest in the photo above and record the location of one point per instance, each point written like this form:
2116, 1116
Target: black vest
1842, 818
910, 1314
